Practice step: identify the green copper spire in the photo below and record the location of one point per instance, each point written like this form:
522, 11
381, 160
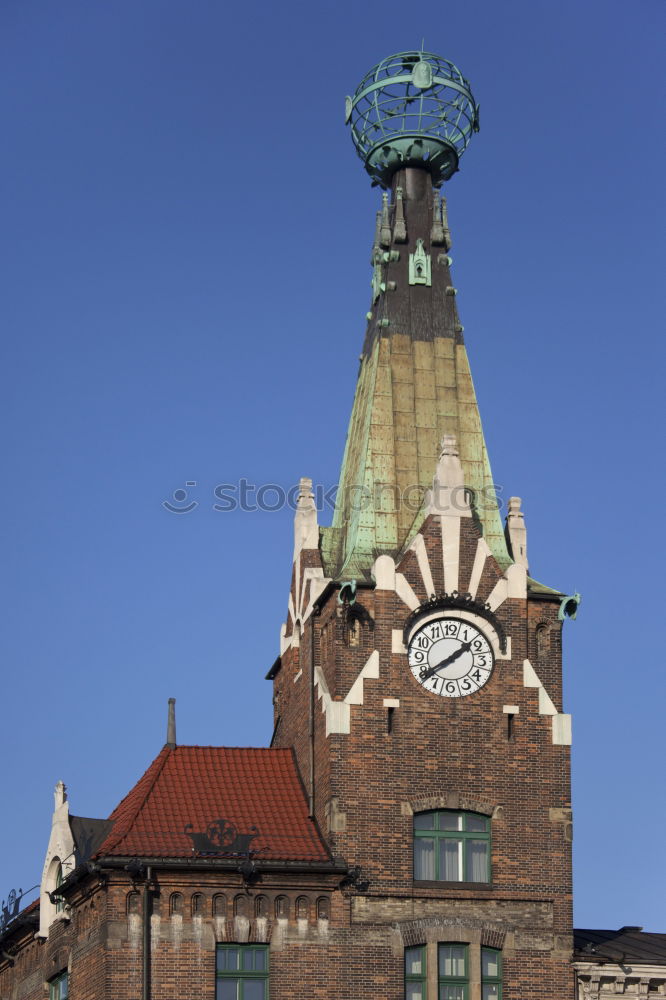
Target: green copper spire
411, 119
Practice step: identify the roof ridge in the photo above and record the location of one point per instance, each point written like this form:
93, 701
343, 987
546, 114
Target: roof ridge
112, 841
212, 746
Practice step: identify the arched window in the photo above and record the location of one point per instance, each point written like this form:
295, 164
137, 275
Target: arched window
241, 906
59, 987
176, 904
59, 901
323, 908
220, 905
198, 905
282, 908
302, 908
542, 640
353, 632
132, 902
451, 846
261, 906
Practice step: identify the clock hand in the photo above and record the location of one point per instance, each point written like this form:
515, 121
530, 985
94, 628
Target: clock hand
464, 648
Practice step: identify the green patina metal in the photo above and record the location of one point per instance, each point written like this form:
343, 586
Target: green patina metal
379, 505
420, 269
412, 109
347, 592
569, 607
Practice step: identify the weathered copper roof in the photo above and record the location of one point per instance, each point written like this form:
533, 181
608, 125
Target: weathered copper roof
414, 386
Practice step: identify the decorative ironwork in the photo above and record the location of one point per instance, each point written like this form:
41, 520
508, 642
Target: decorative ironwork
347, 592
10, 907
355, 879
221, 838
458, 602
412, 109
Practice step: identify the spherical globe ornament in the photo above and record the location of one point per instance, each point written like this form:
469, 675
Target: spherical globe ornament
413, 109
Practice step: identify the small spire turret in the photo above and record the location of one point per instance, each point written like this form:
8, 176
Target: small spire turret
517, 532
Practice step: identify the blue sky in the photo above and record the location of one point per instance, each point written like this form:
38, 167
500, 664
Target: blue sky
185, 237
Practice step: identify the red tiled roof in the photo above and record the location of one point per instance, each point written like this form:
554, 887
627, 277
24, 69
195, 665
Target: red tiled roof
257, 791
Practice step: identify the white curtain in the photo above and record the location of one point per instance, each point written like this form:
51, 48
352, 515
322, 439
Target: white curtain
477, 861
424, 858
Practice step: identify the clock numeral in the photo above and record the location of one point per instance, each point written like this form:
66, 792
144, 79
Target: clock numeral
450, 657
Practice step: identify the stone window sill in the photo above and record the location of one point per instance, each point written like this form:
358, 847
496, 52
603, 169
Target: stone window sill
466, 886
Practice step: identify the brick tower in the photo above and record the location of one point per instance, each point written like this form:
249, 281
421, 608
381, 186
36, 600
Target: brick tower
420, 679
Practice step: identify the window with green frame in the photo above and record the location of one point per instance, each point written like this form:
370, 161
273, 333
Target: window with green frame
453, 972
451, 846
415, 973
58, 987
241, 972
491, 974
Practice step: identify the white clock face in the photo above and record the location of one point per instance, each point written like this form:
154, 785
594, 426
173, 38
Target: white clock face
450, 657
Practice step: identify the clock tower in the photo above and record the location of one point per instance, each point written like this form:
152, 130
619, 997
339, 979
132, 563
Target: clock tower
419, 681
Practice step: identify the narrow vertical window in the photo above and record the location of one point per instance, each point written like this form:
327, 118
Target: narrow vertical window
415, 973
453, 972
241, 972
133, 905
59, 987
60, 902
491, 974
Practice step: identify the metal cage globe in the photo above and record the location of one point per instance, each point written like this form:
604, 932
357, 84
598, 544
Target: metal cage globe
412, 109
